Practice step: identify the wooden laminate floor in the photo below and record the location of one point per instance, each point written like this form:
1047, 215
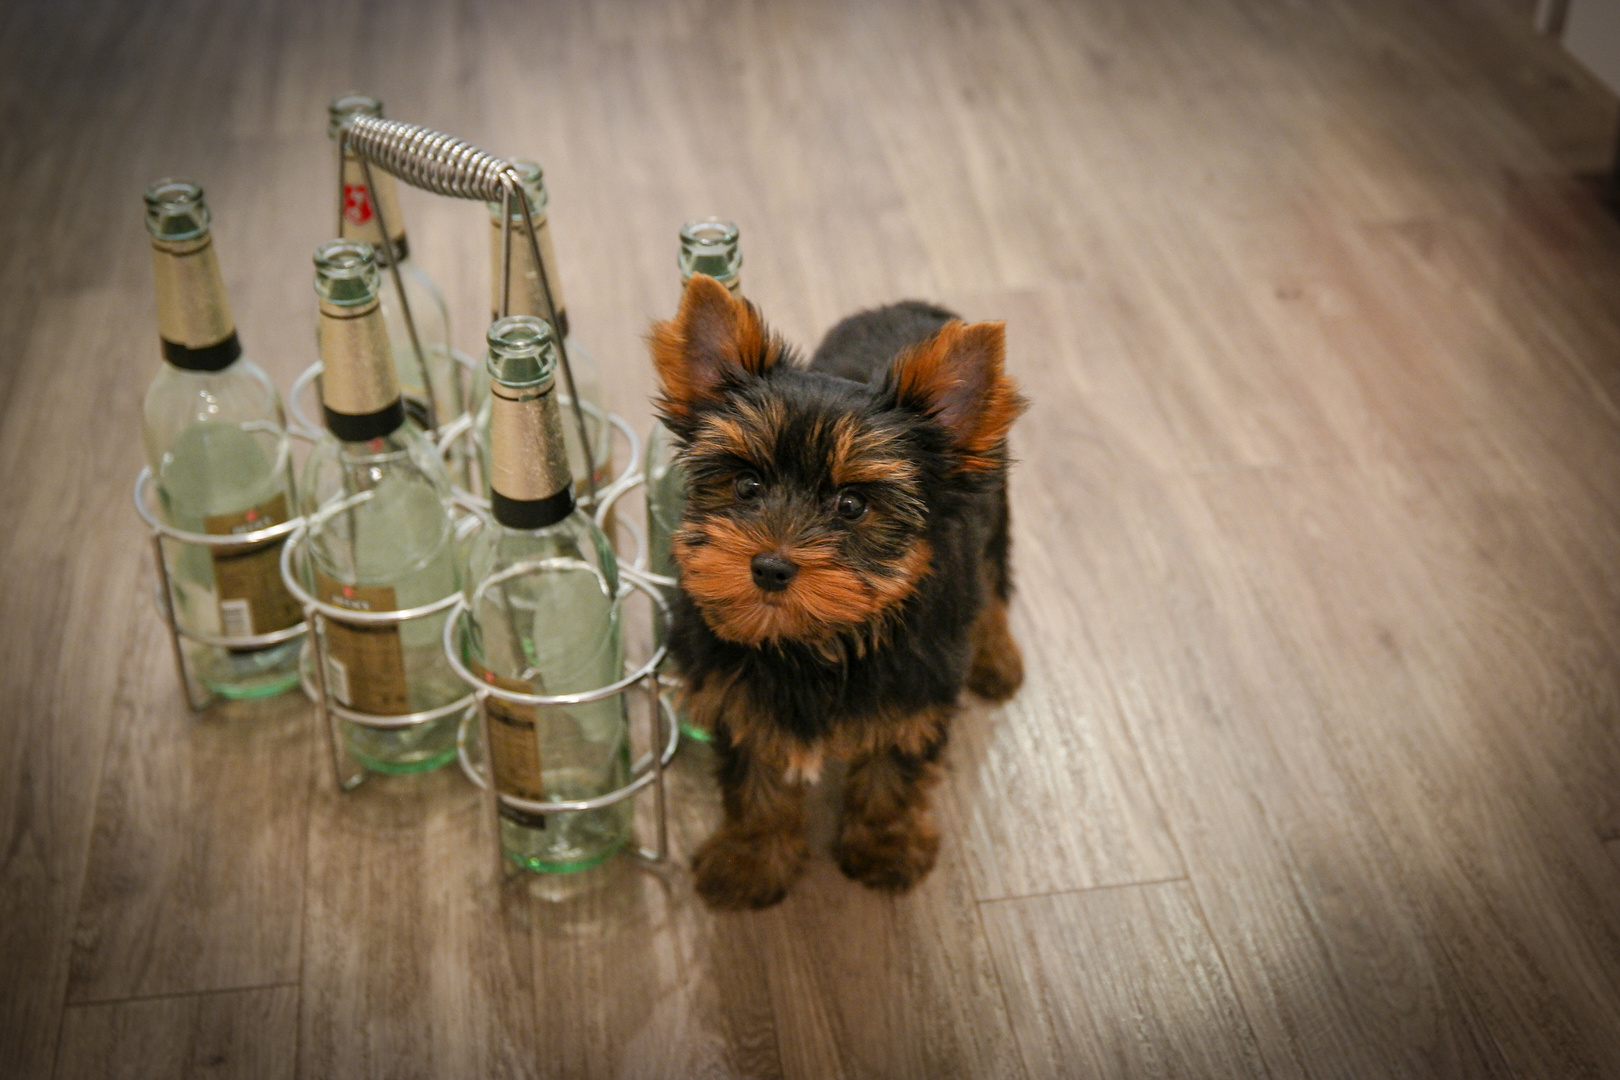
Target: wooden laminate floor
1317, 770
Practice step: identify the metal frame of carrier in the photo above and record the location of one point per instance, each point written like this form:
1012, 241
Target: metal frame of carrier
437, 163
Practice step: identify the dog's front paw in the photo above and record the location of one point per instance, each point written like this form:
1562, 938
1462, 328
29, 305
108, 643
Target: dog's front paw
891, 855
736, 871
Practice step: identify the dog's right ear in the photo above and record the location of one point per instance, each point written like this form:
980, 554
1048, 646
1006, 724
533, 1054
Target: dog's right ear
715, 341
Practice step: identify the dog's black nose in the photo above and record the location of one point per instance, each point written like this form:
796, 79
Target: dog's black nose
772, 572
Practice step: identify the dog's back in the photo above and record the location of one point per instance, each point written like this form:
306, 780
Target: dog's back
861, 347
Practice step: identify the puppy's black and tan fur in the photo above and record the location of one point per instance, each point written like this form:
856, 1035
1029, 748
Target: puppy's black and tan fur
844, 572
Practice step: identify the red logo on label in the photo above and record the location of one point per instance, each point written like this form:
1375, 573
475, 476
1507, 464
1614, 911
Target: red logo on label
356, 203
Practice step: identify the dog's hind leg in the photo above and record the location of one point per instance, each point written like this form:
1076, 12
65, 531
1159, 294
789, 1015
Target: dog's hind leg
997, 669
998, 665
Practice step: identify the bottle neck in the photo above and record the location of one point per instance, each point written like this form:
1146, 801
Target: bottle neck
528, 295
732, 282
362, 207
359, 388
194, 315
530, 483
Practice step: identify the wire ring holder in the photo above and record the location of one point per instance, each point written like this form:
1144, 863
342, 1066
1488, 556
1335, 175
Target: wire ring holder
317, 614
662, 582
145, 485
646, 772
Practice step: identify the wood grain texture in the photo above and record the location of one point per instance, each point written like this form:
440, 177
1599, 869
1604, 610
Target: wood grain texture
1315, 526
1456, 771
867, 985
61, 581
1119, 983
197, 883
637, 977
235, 1035
415, 961
1061, 742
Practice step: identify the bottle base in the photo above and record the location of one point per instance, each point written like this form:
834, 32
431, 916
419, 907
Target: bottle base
254, 691
540, 866
245, 675
402, 751
404, 768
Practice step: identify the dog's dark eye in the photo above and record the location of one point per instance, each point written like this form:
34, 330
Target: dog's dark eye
746, 486
851, 505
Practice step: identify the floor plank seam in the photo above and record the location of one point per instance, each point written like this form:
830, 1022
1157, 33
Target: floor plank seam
1001, 988
1083, 889
82, 866
210, 992
1231, 981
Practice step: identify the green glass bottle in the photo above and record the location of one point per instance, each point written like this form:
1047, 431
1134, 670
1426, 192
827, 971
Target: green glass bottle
434, 397
527, 298
216, 440
544, 613
380, 535
709, 246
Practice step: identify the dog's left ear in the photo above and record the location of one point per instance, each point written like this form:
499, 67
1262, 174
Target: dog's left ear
715, 340
956, 377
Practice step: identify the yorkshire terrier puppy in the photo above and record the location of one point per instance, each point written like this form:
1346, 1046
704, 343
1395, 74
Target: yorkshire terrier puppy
844, 572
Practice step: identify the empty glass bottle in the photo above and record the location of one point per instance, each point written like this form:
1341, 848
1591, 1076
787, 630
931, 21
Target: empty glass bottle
527, 298
216, 440
432, 397
544, 613
709, 246
380, 536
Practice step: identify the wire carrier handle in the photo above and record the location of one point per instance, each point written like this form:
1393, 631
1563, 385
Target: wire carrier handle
444, 165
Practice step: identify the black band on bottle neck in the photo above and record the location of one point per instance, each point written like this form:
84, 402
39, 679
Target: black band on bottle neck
402, 251
216, 357
532, 513
352, 428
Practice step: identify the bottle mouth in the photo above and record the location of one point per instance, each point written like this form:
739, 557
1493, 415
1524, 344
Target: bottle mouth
710, 246
175, 210
534, 187
522, 353
341, 108
346, 272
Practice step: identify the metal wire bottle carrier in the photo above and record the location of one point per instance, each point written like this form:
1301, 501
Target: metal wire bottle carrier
443, 165
190, 684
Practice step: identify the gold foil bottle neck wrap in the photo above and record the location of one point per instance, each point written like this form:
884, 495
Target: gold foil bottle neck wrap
360, 207
193, 310
527, 296
359, 377
527, 458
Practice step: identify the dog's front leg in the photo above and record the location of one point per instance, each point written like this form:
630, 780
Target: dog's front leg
760, 849
887, 838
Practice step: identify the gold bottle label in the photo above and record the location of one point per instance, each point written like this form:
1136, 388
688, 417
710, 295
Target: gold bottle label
192, 308
359, 378
514, 742
365, 665
527, 296
360, 205
247, 579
